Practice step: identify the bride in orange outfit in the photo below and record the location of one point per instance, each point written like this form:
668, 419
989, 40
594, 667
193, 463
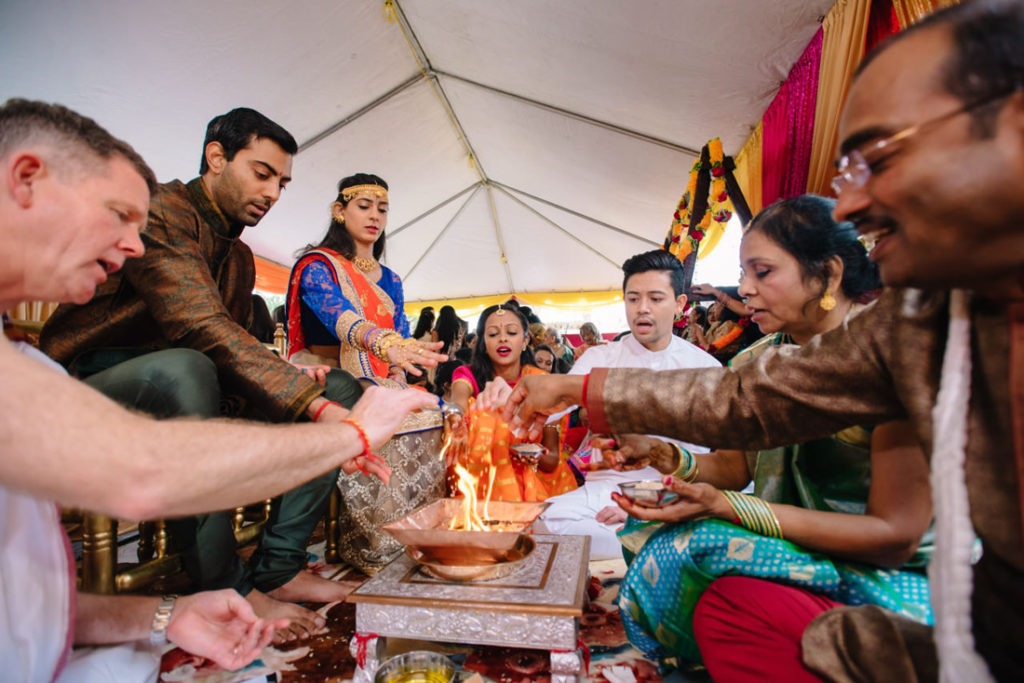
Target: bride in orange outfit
501, 354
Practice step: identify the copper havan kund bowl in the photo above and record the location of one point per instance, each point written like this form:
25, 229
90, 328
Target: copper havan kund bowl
455, 564
428, 540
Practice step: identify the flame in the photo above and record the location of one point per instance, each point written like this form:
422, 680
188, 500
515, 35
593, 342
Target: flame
445, 447
469, 516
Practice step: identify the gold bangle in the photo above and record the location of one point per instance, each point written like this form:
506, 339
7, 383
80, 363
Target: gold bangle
687, 469
754, 514
385, 341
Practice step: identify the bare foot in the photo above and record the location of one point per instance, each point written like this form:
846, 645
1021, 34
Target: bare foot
304, 622
307, 587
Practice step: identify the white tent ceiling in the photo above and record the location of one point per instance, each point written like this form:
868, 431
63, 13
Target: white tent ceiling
583, 116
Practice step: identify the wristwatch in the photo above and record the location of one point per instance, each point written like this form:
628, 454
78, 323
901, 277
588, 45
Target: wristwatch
161, 618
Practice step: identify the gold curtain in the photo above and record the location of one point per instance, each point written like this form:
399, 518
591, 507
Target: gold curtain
845, 28
748, 169
910, 11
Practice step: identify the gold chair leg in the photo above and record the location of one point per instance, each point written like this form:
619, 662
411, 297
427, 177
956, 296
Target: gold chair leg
147, 541
331, 530
99, 553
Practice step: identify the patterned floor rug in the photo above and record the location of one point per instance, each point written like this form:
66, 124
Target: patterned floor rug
326, 658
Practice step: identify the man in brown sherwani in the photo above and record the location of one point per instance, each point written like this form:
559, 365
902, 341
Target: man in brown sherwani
168, 335
931, 170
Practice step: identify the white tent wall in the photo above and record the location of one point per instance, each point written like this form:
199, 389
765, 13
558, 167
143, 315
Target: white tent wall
583, 115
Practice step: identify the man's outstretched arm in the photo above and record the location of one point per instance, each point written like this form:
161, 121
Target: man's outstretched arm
63, 441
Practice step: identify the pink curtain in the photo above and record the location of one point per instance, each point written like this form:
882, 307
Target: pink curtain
789, 128
882, 23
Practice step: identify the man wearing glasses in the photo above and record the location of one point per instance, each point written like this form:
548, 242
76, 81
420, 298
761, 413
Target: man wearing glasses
932, 173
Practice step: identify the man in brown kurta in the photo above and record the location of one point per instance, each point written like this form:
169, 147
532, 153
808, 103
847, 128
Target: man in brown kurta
932, 161
149, 335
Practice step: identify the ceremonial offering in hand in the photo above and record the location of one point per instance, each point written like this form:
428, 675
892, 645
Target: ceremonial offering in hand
649, 492
528, 454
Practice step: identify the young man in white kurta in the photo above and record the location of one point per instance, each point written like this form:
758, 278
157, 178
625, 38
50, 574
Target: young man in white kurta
653, 293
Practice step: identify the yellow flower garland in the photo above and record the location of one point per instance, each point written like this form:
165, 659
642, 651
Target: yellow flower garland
719, 206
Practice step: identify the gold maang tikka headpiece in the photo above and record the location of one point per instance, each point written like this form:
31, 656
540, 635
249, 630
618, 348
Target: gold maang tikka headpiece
368, 191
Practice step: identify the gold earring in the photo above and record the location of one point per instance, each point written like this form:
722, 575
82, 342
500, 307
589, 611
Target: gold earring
827, 302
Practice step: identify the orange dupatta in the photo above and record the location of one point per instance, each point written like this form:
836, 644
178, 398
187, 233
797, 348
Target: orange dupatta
364, 296
489, 442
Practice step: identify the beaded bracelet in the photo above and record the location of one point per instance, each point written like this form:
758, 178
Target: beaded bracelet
687, 470
754, 514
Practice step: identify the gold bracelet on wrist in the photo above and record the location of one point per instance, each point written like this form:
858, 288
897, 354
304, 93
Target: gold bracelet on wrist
687, 469
754, 514
385, 341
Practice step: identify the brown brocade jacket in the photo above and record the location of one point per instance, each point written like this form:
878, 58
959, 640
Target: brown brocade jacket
191, 289
882, 364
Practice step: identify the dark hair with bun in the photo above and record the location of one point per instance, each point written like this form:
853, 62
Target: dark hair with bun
805, 228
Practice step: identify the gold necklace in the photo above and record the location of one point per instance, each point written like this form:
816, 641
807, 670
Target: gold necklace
364, 264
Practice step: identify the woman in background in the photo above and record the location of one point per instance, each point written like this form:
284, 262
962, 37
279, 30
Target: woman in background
425, 325
590, 336
344, 307
449, 330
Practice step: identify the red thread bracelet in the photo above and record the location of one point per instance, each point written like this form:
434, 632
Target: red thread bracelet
362, 435
316, 415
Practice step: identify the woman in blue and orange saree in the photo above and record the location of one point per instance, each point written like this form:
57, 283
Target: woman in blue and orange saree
344, 307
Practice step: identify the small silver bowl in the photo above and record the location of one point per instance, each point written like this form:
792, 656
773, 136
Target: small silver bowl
528, 453
648, 492
418, 666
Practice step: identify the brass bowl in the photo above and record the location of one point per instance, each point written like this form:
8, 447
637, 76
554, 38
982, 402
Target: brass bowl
648, 492
463, 563
418, 666
427, 527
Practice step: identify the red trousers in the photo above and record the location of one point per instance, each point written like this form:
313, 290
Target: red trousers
750, 629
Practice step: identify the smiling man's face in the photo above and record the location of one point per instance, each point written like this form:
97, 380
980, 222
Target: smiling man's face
945, 204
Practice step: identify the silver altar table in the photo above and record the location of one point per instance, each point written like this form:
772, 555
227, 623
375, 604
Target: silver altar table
538, 607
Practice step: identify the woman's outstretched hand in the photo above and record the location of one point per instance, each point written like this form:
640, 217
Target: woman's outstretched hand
412, 352
695, 501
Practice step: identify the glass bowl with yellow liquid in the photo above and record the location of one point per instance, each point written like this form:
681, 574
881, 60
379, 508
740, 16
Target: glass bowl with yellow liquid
418, 666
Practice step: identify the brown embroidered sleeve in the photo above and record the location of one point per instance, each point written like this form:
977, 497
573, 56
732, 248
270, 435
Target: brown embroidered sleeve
189, 278
787, 395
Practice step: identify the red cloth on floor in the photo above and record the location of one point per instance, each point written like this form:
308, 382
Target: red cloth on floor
749, 629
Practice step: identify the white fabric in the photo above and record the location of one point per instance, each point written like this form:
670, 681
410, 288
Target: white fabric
574, 512
128, 663
950, 572
35, 592
572, 105
35, 595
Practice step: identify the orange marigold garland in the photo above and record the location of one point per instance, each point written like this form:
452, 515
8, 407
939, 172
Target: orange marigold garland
684, 237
